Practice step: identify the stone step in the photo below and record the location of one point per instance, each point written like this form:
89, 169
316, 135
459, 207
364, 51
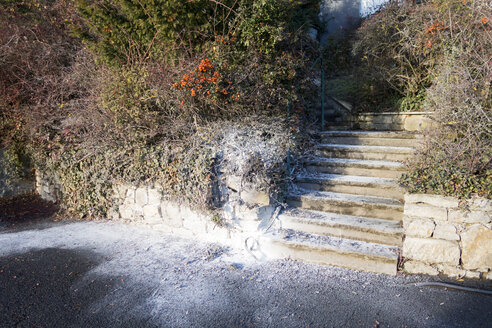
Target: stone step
334, 251
335, 118
365, 152
337, 127
372, 134
392, 139
343, 226
382, 169
359, 185
349, 204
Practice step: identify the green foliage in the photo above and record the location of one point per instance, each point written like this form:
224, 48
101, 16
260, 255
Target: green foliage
126, 31
264, 23
129, 31
87, 178
115, 112
447, 180
128, 96
395, 42
456, 158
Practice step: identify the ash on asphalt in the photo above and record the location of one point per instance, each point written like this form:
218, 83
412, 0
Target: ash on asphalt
103, 274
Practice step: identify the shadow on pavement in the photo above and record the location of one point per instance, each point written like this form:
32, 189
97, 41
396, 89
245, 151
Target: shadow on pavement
25, 210
50, 288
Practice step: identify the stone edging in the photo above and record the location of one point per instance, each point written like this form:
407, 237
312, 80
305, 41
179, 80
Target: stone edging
444, 235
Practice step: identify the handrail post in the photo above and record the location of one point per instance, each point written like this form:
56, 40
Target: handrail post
288, 150
322, 96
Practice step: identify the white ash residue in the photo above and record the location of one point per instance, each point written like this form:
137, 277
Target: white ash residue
251, 150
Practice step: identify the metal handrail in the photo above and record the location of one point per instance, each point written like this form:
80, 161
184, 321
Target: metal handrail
289, 104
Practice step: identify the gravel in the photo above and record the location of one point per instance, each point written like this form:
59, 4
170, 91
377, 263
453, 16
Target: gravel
103, 274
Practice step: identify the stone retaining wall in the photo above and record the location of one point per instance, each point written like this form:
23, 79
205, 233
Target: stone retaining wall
445, 236
241, 217
416, 121
47, 186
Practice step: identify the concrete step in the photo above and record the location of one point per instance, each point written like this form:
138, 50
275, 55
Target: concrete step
372, 138
381, 169
359, 185
349, 204
328, 250
343, 226
365, 152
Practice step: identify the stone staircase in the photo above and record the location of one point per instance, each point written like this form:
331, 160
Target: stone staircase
346, 207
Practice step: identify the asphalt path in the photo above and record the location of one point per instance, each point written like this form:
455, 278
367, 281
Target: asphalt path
103, 274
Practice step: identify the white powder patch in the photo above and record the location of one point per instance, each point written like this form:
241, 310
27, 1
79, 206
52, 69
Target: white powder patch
175, 268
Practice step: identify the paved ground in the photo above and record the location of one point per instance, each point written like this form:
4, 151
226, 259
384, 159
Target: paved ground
102, 274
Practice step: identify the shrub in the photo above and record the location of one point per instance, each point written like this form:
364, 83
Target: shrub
125, 31
134, 106
394, 41
457, 157
128, 31
35, 49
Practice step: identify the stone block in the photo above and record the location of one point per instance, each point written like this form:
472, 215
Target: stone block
130, 196
488, 275
420, 228
480, 204
416, 122
113, 214
446, 231
189, 214
451, 270
426, 211
126, 211
463, 216
170, 209
48, 196
152, 211
229, 212
234, 182
171, 212
154, 196
476, 243
119, 190
255, 197
431, 250
141, 197
434, 200
472, 274
47, 189
415, 267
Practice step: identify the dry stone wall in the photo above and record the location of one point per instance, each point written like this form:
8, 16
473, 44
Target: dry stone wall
47, 186
416, 121
242, 215
445, 236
